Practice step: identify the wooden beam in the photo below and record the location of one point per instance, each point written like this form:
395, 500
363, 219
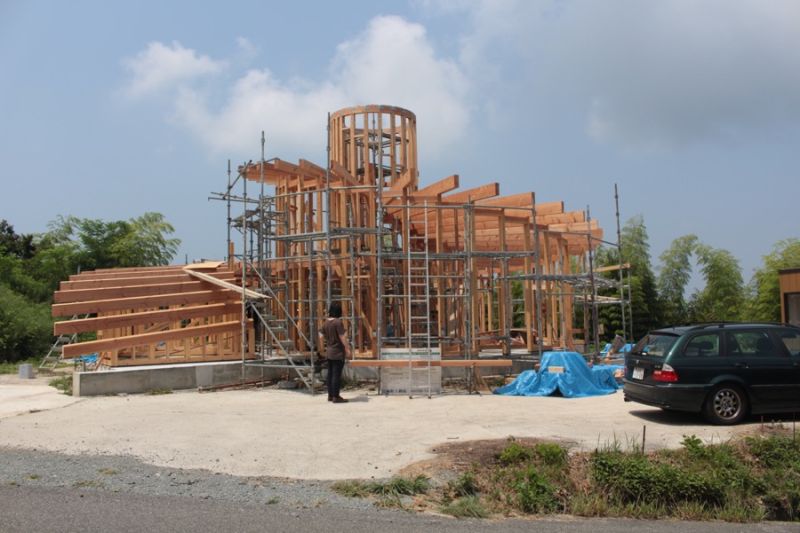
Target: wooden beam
143, 302
126, 282
342, 172
107, 293
611, 268
523, 199
68, 327
445, 363
125, 274
483, 192
439, 187
226, 285
104, 345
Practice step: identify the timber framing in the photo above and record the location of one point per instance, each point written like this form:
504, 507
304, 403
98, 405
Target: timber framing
158, 315
415, 265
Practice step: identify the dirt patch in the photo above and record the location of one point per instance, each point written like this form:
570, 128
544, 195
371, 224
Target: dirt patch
454, 458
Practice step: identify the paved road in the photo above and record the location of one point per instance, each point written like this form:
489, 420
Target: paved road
24, 509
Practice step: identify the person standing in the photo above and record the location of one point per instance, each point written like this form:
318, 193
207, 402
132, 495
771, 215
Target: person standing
336, 349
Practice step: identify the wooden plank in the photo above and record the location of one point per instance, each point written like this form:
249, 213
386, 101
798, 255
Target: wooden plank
402, 182
226, 285
611, 268
104, 345
440, 187
475, 363
204, 265
483, 192
137, 269
143, 302
125, 282
342, 172
68, 327
107, 293
123, 274
524, 199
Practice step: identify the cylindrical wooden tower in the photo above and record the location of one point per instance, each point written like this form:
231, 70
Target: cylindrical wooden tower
376, 140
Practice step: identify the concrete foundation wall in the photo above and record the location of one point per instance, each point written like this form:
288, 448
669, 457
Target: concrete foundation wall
192, 376
189, 376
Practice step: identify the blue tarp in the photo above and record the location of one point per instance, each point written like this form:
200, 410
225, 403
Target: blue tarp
566, 372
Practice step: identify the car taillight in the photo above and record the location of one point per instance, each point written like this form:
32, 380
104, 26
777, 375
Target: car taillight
667, 374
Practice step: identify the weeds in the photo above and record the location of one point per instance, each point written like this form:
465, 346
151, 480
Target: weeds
388, 493
158, 392
350, 489
62, 383
535, 494
465, 485
13, 367
747, 480
466, 507
515, 453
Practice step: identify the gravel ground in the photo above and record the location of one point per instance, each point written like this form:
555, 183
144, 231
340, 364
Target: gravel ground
122, 474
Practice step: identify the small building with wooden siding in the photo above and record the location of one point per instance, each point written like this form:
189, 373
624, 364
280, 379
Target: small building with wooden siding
790, 295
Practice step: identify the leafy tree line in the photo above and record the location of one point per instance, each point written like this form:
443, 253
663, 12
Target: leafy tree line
660, 300
32, 265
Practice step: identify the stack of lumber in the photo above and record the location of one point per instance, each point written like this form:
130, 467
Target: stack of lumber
155, 315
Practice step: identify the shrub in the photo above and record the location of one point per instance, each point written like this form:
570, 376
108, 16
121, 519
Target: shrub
775, 451
515, 453
551, 454
534, 492
635, 478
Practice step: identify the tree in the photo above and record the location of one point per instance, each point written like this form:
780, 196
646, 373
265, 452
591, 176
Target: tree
25, 327
645, 301
146, 242
20, 246
141, 241
723, 297
765, 304
675, 272
32, 267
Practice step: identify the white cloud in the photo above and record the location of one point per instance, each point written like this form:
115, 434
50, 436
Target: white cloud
391, 62
642, 74
159, 67
247, 47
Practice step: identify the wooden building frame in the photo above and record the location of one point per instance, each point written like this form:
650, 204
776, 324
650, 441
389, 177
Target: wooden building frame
420, 266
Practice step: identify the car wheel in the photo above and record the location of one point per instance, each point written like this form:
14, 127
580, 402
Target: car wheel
726, 405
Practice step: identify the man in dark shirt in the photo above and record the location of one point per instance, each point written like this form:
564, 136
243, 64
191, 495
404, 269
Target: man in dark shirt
336, 349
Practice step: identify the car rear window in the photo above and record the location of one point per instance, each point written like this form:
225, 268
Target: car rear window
790, 339
655, 344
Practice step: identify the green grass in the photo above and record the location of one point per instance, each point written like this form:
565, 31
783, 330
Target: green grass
13, 368
351, 489
387, 493
62, 383
466, 507
747, 480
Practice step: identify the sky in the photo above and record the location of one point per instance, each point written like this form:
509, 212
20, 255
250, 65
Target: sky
112, 109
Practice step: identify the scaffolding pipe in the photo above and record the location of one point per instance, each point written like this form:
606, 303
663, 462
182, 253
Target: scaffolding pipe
619, 254
595, 319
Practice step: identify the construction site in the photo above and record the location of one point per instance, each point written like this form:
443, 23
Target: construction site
431, 278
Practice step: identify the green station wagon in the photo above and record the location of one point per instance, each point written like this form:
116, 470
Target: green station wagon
726, 371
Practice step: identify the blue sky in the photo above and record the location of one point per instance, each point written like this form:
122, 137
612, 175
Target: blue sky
108, 110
